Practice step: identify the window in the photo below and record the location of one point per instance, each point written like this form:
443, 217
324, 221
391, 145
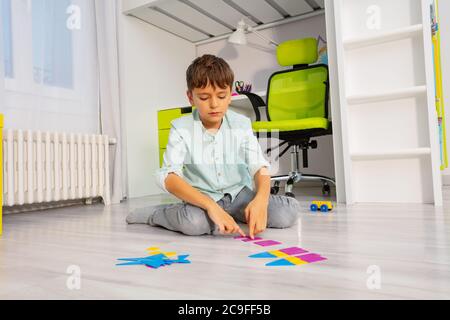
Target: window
52, 44
5, 12
54, 63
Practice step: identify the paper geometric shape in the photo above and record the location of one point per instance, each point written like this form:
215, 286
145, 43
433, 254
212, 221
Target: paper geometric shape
288, 261
293, 251
267, 243
153, 261
248, 239
295, 260
263, 255
279, 263
311, 257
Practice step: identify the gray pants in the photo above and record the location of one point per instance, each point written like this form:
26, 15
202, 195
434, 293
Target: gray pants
282, 212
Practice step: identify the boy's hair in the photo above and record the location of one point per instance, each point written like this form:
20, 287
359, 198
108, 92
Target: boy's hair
209, 69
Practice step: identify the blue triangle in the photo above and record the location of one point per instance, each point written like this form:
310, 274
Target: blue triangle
154, 264
133, 263
281, 262
262, 255
129, 259
183, 259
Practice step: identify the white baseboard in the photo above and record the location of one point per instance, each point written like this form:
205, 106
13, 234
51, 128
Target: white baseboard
47, 205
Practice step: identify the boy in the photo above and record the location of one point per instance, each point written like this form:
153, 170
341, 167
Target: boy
211, 160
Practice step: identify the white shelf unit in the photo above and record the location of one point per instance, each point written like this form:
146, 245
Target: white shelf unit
383, 37
387, 95
386, 89
392, 154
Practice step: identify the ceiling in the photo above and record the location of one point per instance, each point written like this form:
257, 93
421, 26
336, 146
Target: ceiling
200, 20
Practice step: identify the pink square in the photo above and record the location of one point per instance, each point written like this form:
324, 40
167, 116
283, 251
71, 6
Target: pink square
247, 238
250, 239
293, 251
312, 257
267, 243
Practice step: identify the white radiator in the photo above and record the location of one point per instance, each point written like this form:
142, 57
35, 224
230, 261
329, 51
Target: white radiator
46, 167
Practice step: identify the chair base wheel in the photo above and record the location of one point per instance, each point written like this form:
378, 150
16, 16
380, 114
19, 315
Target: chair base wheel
290, 195
326, 190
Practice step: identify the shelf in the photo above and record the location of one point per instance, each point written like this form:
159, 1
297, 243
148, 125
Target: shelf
385, 85
386, 155
203, 21
388, 95
411, 31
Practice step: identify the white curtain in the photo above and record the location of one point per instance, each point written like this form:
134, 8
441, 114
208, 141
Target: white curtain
50, 65
110, 111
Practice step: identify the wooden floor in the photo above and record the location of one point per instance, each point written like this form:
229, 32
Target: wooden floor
410, 244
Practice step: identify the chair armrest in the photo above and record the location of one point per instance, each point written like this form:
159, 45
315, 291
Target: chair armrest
256, 101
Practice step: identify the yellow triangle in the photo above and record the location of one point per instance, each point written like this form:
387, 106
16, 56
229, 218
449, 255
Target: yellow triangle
295, 260
279, 254
167, 254
170, 254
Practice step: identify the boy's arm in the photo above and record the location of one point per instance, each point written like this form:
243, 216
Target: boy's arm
170, 179
262, 181
184, 191
256, 210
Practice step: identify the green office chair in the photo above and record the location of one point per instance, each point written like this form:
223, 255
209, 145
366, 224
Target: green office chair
297, 107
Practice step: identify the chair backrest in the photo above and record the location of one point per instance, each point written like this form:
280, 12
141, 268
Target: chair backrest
301, 92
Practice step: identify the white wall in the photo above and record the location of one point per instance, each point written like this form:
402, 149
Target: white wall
444, 14
257, 61
152, 74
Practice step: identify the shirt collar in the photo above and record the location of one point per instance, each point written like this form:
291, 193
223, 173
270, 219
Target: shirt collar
225, 123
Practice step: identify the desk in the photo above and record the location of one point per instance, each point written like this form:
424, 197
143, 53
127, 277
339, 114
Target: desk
241, 104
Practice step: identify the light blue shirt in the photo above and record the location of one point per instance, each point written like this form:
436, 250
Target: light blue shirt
214, 164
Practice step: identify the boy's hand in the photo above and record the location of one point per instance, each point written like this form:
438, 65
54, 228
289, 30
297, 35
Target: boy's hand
256, 216
224, 221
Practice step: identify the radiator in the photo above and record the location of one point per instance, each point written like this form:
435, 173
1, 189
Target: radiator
41, 167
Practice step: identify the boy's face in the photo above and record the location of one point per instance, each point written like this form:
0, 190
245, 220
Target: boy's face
212, 104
